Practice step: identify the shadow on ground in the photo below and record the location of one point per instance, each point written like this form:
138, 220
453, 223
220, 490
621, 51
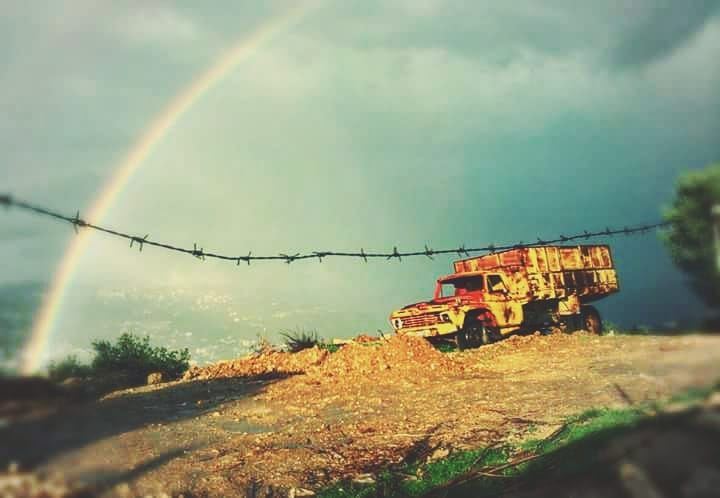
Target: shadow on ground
671, 455
58, 428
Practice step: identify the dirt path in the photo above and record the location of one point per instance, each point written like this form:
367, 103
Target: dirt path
355, 412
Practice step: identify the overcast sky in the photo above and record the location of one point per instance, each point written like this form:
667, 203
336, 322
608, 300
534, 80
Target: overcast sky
365, 124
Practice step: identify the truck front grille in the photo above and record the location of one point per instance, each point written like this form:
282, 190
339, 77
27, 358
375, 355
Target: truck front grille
421, 320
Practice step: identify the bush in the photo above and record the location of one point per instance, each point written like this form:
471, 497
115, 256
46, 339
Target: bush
299, 339
689, 237
69, 367
135, 356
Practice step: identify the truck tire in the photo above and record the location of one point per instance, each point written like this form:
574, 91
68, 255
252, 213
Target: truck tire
491, 334
461, 340
591, 320
476, 334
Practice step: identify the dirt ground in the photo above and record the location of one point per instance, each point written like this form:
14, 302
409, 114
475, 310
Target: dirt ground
308, 420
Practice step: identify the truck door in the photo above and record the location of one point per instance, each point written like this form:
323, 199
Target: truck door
507, 310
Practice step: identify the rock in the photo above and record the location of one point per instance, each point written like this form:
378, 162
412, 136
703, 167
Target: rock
713, 400
364, 479
155, 378
297, 492
675, 408
438, 454
123, 489
208, 454
636, 481
72, 382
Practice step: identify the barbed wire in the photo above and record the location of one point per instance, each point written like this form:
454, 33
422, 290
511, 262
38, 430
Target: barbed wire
78, 223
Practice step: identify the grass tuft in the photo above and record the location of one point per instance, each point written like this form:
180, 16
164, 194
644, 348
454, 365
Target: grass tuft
299, 339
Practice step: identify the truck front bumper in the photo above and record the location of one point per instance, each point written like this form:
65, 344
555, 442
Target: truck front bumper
430, 331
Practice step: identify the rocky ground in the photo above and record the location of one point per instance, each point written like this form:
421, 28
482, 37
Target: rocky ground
295, 423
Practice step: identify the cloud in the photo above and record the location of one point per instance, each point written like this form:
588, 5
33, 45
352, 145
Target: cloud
153, 24
665, 27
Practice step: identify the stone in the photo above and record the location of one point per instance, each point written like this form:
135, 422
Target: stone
364, 479
155, 378
438, 454
636, 481
298, 492
72, 382
713, 401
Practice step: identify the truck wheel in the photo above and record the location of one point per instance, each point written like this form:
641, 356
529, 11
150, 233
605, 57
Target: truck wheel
572, 323
490, 335
591, 320
461, 340
475, 334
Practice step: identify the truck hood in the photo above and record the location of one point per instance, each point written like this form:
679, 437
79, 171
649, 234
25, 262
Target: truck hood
442, 302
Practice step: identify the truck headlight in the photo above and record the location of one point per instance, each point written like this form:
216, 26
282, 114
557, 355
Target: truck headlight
444, 317
397, 323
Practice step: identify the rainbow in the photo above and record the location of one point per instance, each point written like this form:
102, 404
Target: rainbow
34, 348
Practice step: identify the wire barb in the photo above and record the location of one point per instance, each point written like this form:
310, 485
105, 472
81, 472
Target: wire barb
429, 252
198, 253
244, 258
395, 254
6, 200
289, 259
140, 241
77, 222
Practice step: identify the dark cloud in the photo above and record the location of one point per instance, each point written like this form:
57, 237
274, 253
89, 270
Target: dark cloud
666, 27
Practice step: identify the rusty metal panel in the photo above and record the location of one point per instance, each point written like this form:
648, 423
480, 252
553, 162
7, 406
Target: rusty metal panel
570, 258
553, 258
541, 255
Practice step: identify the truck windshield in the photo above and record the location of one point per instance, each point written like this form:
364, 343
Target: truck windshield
460, 286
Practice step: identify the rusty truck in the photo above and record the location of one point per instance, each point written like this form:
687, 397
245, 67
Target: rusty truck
488, 297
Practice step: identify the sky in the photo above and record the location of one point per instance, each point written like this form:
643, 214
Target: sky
361, 124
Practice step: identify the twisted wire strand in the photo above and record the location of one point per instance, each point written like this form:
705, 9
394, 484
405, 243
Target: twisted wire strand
289, 257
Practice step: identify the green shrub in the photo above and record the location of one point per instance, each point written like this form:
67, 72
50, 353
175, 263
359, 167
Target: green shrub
135, 356
66, 368
299, 339
329, 347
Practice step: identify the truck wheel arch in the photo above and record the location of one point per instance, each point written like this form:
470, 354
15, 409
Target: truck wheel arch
482, 315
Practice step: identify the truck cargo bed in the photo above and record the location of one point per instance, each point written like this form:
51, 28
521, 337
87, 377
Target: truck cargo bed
549, 272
